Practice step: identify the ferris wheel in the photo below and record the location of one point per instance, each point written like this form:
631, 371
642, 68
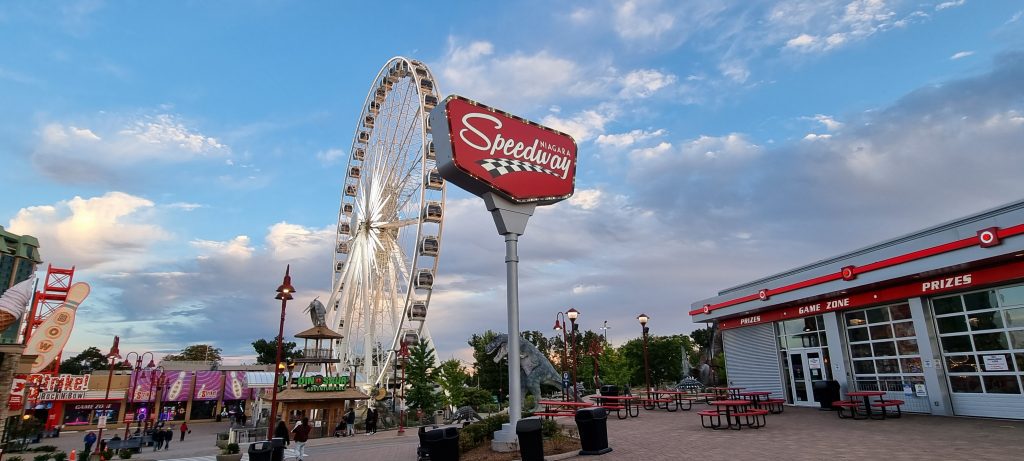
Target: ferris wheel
389, 224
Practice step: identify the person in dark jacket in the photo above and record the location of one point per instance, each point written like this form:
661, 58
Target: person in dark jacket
158, 439
281, 430
301, 432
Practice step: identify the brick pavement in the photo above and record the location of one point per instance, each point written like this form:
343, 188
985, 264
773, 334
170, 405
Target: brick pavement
812, 434
796, 434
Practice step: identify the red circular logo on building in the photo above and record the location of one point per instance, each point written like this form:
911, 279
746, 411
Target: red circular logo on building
763, 295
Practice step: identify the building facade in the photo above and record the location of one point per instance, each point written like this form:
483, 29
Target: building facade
19, 256
934, 318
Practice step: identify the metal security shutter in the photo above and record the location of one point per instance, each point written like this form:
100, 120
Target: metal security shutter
752, 359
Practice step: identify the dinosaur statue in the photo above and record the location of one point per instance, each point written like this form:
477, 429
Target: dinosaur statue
536, 369
317, 312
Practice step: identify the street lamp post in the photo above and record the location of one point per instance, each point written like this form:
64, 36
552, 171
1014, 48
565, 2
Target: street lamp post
152, 393
643, 318
284, 293
136, 371
565, 347
405, 363
574, 314
112, 358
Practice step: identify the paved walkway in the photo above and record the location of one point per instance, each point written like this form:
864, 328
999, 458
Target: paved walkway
796, 434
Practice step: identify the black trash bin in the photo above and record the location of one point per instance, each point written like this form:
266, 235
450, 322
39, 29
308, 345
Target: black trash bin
825, 392
593, 426
277, 443
440, 445
261, 451
531, 439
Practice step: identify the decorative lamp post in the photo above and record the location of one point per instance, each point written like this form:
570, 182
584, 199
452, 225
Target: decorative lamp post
643, 318
136, 371
284, 293
291, 367
565, 347
405, 363
574, 314
112, 358
152, 392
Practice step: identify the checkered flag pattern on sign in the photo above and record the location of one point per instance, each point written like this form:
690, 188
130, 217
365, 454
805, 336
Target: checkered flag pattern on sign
502, 166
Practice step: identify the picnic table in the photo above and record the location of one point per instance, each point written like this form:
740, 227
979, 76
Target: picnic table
762, 399
557, 408
727, 392
733, 410
663, 397
855, 406
619, 403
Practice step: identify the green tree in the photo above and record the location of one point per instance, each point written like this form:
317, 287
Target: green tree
701, 338
196, 353
266, 351
490, 376
665, 357
90, 359
419, 375
451, 376
474, 397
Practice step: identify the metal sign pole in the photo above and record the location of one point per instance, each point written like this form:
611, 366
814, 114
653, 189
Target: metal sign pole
510, 219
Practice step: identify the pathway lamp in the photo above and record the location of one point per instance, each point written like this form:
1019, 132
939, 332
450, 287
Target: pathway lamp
284, 293
643, 318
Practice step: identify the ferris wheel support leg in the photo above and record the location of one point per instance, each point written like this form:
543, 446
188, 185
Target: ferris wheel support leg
510, 220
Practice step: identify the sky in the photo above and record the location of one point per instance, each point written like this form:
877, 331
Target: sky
180, 154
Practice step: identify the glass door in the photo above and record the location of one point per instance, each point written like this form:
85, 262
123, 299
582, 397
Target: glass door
805, 366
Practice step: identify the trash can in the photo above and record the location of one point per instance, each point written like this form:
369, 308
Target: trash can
531, 439
593, 426
439, 417
442, 444
610, 390
825, 392
277, 443
261, 451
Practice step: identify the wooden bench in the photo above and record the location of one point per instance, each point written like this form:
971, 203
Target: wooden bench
134, 444
884, 404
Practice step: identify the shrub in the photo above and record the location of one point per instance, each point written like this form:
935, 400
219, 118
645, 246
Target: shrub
549, 428
231, 449
42, 457
124, 453
108, 454
15, 458
477, 433
60, 456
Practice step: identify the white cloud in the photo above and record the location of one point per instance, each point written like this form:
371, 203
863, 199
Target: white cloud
238, 248
291, 241
642, 20
116, 148
627, 139
830, 123
961, 55
586, 289
643, 83
331, 156
816, 137
950, 4
735, 70
587, 199
185, 206
582, 126
512, 81
109, 232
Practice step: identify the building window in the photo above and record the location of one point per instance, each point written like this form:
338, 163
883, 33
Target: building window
981, 335
883, 348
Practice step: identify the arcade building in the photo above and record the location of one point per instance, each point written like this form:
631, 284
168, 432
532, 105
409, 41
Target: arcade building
934, 318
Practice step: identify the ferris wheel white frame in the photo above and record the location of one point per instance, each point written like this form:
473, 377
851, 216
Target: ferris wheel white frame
382, 281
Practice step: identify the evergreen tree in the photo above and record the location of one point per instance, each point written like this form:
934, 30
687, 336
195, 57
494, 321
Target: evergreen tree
419, 376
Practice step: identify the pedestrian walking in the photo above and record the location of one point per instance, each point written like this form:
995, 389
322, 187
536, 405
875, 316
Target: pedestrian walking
168, 436
373, 420
281, 432
350, 422
158, 439
90, 439
184, 428
301, 432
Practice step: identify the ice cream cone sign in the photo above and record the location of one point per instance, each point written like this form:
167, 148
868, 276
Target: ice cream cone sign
51, 336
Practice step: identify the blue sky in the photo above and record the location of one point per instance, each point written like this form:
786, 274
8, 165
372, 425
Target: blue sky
180, 154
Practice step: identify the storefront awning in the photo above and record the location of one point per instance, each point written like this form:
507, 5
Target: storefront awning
294, 395
259, 379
